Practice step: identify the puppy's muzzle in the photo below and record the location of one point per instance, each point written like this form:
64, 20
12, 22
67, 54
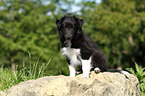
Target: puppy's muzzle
68, 37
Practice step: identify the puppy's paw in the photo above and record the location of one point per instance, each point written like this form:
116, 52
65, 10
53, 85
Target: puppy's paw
97, 70
72, 76
85, 76
79, 72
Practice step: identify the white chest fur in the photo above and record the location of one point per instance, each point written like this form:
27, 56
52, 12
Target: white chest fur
73, 55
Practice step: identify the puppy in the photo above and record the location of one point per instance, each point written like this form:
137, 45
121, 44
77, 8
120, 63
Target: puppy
81, 52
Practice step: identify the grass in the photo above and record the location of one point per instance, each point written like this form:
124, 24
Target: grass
140, 74
9, 78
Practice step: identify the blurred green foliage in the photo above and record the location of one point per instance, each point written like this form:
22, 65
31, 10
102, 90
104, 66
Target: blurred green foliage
28, 27
118, 27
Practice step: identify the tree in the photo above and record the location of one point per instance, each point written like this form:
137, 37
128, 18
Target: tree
28, 26
116, 26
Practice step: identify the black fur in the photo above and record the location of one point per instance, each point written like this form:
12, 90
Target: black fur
70, 31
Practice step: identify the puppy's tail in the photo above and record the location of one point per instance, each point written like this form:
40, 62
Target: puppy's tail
115, 70
97, 70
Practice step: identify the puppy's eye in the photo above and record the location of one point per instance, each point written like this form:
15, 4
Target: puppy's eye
64, 27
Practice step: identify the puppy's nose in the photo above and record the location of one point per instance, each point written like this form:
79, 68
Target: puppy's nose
68, 37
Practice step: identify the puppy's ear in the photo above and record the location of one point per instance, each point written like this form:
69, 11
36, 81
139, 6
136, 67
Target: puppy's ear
58, 23
63, 16
81, 22
74, 16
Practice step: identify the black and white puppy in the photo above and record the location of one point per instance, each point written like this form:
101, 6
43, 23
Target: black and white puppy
81, 52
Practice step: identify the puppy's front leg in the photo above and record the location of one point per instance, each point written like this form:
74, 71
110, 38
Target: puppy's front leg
72, 71
86, 66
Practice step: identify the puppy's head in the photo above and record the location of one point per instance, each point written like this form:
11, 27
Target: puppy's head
69, 26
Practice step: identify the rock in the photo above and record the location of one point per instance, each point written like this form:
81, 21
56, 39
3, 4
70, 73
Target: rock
2, 93
102, 84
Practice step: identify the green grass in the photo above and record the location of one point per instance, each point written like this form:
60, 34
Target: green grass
9, 78
140, 74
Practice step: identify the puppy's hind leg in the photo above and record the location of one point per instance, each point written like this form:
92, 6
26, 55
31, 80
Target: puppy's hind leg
97, 70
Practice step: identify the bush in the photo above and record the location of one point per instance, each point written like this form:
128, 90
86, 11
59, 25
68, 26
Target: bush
140, 74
